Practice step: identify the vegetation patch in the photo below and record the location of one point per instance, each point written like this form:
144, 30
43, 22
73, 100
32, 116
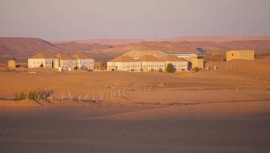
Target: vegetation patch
170, 68
31, 95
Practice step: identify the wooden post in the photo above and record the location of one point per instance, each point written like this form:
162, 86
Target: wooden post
93, 98
85, 97
27, 95
44, 98
80, 98
62, 96
51, 95
69, 96
101, 97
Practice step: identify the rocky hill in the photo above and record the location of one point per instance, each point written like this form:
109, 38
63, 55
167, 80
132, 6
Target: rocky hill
22, 48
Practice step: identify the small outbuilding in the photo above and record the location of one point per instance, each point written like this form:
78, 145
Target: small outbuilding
240, 54
199, 63
11, 65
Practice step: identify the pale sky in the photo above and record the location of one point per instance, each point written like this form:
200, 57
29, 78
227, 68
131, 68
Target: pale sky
107, 19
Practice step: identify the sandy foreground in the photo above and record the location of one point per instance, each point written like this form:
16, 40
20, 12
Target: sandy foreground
212, 127
225, 111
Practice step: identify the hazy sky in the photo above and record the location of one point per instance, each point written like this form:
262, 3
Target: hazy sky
87, 19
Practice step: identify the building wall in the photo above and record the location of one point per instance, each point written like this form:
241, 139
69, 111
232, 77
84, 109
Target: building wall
234, 54
88, 63
197, 63
179, 65
56, 63
148, 66
11, 64
65, 64
124, 66
49, 63
35, 63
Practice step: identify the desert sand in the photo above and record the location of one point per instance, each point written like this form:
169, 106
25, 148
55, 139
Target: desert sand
227, 110
209, 128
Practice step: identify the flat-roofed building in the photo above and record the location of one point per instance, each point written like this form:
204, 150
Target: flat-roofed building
199, 63
151, 63
240, 54
11, 65
124, 63
84, 61
66, 62
41, 60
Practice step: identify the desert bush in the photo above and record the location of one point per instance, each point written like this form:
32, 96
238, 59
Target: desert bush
170, 68
20, 95
195, 69
32, 95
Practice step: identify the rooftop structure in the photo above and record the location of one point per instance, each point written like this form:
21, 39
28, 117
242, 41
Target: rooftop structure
42, 56
200, 50
64, 57
137, 54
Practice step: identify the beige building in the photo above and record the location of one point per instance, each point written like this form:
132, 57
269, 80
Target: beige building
11, 65
199, 63
193, 59
66, 62
146, 63
240, 54
84, 61
41, 60
151, 63
178, 63
124, 63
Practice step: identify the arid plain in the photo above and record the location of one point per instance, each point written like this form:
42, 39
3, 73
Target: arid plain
227, 110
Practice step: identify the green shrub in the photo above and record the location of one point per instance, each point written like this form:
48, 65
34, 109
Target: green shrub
170, 68
20, 96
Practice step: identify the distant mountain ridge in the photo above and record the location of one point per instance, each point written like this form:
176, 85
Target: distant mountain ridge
23, 48
176, 39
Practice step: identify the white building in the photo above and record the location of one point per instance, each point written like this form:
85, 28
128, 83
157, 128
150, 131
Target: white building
83, 61
151, 63
193, 59
178, 64
124, 63
41, 60
147, 63
66, 62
